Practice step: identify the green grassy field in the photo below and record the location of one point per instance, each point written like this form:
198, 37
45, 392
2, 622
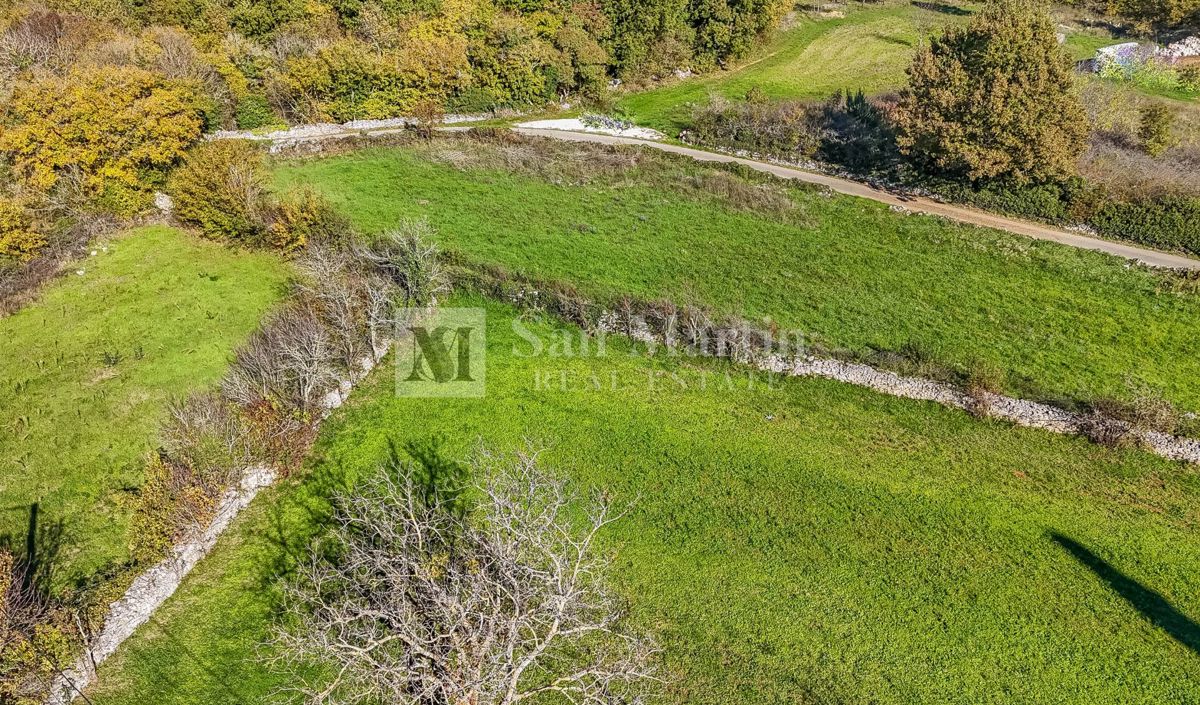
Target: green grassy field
1059, 323
813, 542
869, 49
88, 370
1083, 45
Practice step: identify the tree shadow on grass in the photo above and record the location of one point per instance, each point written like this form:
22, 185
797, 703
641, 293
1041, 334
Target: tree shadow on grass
942, 8
889, 39
35, 555
297, 524
1150, 603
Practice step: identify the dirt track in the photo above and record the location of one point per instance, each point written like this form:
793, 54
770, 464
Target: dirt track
1153, 258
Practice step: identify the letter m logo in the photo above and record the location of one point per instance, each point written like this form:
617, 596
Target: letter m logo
441, 354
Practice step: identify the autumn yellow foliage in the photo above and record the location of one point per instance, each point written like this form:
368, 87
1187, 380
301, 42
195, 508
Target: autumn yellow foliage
18, 238
116, 126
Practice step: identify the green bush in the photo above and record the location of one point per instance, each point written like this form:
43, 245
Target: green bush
169, 505
18, 237
306, 216
1154, 128
994, 100
784, 130
222, 189
253, 112
1169, 222
1051, 202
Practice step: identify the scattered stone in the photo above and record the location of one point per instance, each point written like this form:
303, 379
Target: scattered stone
164, 203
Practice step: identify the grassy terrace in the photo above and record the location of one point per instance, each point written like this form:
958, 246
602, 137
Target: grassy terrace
868, 50
88, 369
809, 543
1059, 323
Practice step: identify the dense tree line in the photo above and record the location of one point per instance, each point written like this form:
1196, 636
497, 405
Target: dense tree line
99, 98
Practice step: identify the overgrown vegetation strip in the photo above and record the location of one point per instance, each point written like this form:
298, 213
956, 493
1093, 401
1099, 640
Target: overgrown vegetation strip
696, 333
152, 588
220, 449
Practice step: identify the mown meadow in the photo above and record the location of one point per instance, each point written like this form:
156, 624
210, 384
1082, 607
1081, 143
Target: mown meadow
866, 49
801, 541
1045, 320
88, 371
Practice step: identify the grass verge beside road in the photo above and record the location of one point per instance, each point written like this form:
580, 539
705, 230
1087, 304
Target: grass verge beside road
1053, 322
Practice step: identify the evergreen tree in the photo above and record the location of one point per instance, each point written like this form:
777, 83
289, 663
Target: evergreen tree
994, 100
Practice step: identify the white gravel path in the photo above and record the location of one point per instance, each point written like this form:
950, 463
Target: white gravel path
576, 125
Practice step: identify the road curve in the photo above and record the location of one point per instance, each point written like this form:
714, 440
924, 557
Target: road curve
1153, 258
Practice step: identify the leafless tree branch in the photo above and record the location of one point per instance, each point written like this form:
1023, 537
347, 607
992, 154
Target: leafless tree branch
428, 603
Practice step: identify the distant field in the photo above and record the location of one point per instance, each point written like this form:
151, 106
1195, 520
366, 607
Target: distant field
869, 49
1084, 44
1058, 323
812, 543
1081, 45
87, 371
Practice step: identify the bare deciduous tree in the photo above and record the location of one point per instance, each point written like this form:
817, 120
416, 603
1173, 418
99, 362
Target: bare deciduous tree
205, 432
380, 311
333, 282
289, 361
408, 256
432, 601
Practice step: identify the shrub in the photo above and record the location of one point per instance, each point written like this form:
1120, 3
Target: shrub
170, 504
1122, 168
34, 641
428, 113
222, 189
18, 238
1163, 220
341, 290
1169, 222
1143, 409
783, 130
1052, 202
303, 217
994, 100
120, 127
857, 133
1189, 78
207, 434
288, 365
1154, 128
254, 111
408, 256
982, 381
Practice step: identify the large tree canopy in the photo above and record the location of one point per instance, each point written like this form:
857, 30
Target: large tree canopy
994, 100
